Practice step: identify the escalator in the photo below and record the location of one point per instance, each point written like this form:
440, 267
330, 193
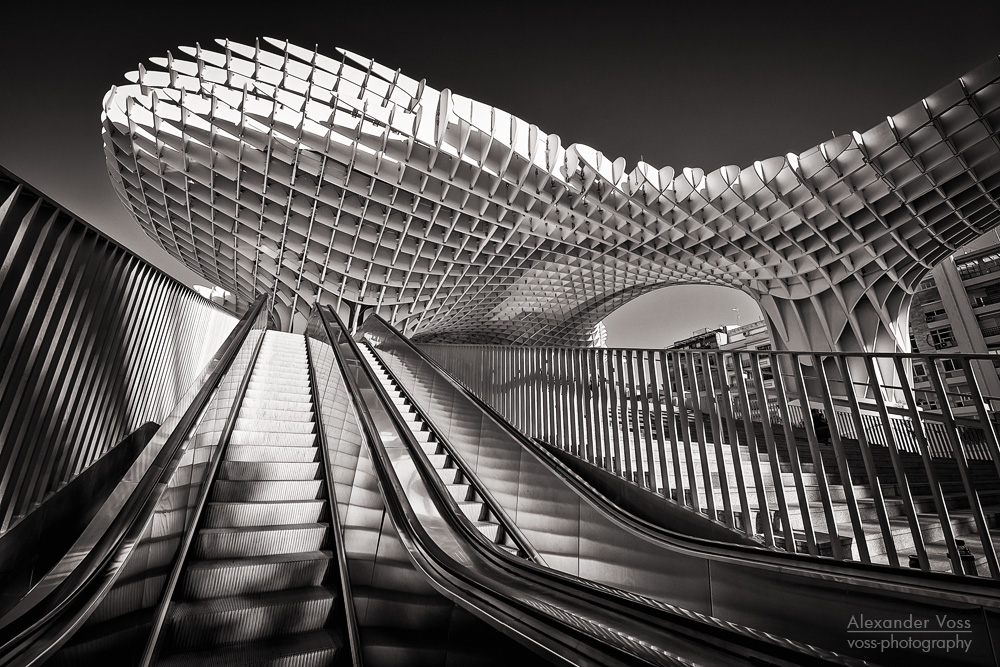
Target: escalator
578, 531
434, 566
565, 619
260, 578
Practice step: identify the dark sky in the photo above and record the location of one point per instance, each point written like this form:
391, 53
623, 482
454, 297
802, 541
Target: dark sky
698, 84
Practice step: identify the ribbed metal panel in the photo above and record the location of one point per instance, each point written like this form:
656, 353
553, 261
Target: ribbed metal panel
216, 579
94, 343
218, 515
232, 491
265, 541
247, 618
315, 649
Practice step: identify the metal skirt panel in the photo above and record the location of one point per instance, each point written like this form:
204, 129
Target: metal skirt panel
94, 342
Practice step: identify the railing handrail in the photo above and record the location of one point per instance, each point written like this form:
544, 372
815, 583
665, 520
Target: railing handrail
623, 391
27, 631
984, 591
347, 596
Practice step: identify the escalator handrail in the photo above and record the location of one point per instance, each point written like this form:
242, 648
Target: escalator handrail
191, 529
435, 480
723, 636
38, 631
974, 590
421, 549
347, 596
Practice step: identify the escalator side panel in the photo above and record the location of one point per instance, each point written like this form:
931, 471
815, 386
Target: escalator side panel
781, 594
569, 533
116, 632
402, 620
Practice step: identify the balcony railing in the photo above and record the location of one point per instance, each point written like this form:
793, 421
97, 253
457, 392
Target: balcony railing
833, 455
987, 300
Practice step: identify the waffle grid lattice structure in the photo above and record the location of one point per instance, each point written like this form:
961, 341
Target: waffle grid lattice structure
272, 168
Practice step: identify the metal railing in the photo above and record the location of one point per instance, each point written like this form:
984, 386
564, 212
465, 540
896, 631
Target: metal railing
835, 454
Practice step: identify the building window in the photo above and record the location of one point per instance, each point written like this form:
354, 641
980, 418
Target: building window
979, 266
935, 315
941, 339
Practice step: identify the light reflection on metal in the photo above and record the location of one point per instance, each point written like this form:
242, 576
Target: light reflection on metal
94, 342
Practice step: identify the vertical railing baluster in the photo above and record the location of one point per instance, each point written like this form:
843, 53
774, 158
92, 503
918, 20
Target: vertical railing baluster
716, 427
699, 429
902, 483
818, 467
560, 387
743, 403
635, 405
574, 376
791, 447
536, 393
654, 362
605, 400
615, 412
958, 452
626, 418
640, 360
990, 445
673, 421
732, 429
585, 420
685, 431
874, 484
568, 380
772, 451
549, 396
599, 414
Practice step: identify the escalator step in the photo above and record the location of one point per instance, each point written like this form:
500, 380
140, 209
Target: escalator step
274, 403
489, 529
262, 541
286, 453
269, 470
242, 618
425, 437
250, 422
268, 412
222, 578
310, 649
272, 439
236, 515
438, 460
227, 490
472, 509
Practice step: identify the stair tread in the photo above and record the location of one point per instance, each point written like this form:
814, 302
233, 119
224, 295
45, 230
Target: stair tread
211, 564
259, 652
251, 529
187, 608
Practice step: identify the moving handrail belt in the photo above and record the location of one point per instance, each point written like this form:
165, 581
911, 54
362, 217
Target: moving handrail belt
562, 612
36, 628
741, 572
